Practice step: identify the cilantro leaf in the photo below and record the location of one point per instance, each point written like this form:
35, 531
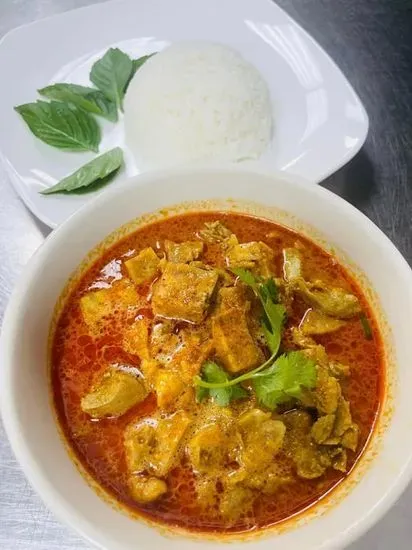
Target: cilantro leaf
285, 379
274, 317
214, 374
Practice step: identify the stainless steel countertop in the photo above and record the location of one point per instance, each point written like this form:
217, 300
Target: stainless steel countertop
370, 41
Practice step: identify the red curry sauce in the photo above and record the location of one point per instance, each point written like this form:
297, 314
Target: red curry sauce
98, 444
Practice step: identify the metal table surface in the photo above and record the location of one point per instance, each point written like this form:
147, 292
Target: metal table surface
371, 40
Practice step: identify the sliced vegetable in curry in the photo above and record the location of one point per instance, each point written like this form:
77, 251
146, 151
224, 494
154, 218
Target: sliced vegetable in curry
213, 371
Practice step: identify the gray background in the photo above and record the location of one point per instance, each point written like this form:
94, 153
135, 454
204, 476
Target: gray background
371, 40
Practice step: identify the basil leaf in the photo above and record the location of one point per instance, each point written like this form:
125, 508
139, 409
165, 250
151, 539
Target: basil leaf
88, 99
61, 125
111, 75
137, 63
97, 169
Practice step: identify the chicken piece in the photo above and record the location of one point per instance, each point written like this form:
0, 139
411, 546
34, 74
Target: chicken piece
169, 387
99, 304
216, 442
335, 302
149, 369
184, 292
316, 323
215, 232
339, 459
234, 345
262, 438
114, 394
146, 489
338, 370
195, 348
327, 392
207, 450
233, 297
323, 427
311, 464
255, 256
235, 501
206, 492
269, 480
350, 438
164, 342
183, 253
155, 445
136, 338
140, 443
292, 264
143, 267
343, 419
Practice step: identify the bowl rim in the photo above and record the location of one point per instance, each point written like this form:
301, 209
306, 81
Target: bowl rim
25, 457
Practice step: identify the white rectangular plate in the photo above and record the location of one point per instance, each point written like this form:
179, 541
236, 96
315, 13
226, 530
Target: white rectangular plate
319, 122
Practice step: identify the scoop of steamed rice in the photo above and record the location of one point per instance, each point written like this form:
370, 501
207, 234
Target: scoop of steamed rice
196, 102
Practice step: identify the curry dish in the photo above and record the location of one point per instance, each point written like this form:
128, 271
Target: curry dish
217, 372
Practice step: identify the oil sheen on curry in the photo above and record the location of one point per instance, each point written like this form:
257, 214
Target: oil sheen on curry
217, 372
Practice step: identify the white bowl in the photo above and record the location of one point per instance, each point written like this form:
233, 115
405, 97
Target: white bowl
386, 466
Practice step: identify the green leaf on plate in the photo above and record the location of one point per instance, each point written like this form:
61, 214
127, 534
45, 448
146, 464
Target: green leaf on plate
97, 169
111, 75
61, 125
88, 99
137, 63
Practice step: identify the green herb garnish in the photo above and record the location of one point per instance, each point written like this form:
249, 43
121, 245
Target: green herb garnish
272, 324
98, 169
285, 379
274, 313
221, 396
367, 330
111, 74
88, 99
61, 125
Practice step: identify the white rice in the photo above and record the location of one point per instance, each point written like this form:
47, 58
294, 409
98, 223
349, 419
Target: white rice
196, 101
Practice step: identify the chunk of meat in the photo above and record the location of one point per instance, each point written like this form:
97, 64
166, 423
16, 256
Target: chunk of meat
169, 387
233, 342
269, 480
327, 392
233, 297
113, 394
184, 292
262, 437
164, 342
99, 304
149, 369
350, 438
256, 256
335, 302
215, 232
206, 492
155, 445
207, 450
144, 266
136, 338
146, 489
216, 441
323, 427
316, 323
235, 501
292, 264
195, 349
183, 253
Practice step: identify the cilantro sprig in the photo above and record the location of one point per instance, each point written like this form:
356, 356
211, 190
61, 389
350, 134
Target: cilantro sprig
221, 396
272, 324
286, 379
